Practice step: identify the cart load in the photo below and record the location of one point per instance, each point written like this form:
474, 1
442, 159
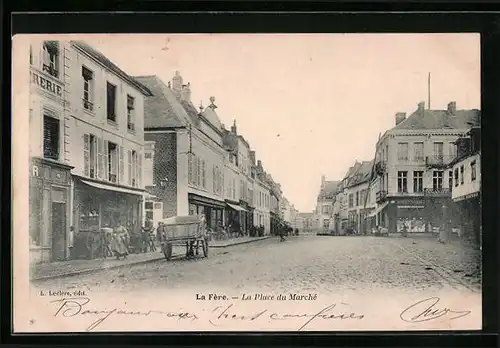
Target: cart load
184, 230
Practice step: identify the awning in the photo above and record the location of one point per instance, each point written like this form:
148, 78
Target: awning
236, 207
378, 209
113, 188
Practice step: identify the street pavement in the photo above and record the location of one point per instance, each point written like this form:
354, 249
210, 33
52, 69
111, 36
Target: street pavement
302, 263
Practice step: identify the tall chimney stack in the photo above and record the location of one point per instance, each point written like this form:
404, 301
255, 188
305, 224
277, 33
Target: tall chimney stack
233, 127
186, 92
452, 107
177, 84
421, 107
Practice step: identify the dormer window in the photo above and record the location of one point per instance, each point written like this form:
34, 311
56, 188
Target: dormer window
51, 58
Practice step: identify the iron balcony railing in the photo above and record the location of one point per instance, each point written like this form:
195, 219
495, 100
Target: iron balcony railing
380, 196
438, 161
380, 167
437, 192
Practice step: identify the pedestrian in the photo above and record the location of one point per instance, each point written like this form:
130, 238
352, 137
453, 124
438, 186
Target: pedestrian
119, 241
405, 230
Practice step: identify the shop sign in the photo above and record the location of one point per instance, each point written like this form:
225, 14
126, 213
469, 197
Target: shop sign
46, 84
35, 171
410, 202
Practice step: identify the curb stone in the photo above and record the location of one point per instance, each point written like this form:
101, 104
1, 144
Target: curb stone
238, 243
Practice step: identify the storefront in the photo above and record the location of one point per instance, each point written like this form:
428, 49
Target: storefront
49, 210
235, 216
211, 208
98, 205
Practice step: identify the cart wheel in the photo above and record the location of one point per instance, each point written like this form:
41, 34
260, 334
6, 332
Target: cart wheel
167, 251
205, 247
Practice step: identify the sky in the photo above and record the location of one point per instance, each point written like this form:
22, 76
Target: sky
309, 104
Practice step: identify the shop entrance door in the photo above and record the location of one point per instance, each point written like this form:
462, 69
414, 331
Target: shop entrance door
58, 231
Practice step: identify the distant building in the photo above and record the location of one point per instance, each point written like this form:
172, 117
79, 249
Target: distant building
358, 197
466, 191
324, 204
414, 184
305, 222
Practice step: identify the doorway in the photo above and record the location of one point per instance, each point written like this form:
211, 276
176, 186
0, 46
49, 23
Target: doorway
58, 231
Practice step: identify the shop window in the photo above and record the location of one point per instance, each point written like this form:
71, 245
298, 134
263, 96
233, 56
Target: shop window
88, 89
402, 181
437, 180
89, 214
51, 136
130, 113
148, 205
418, 181
51, 58
473, 173
111, 101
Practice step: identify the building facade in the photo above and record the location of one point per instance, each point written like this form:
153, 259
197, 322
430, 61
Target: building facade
324, 215
188, 165
89, 141
411, 163
466, 191
358, 198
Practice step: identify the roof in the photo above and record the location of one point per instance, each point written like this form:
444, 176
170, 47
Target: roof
162, 109
439, 119
329, 189
211, 116
110, 65
359, 173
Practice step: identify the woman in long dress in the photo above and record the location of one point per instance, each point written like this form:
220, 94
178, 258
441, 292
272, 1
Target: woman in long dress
119, 241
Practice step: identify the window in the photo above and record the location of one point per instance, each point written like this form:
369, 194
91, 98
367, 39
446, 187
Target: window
386, 153
450, 179
88, 89
357, 198
130, 113
148, 155
90, 155
437, 180
456, 177
418, 181
234, 188
418, 151
403, 151
462, 175
111, 101
113, 162
473, 173
402, 181
452, 148
198, 171
438, 152
50, 137
351, 199
51, 58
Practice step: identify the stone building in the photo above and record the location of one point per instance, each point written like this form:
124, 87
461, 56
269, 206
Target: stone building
324, 204
86, 148
411, 166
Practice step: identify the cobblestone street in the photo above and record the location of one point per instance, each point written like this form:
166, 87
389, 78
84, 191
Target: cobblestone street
303, 263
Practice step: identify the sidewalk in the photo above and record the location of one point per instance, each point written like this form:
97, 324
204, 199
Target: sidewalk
76, 267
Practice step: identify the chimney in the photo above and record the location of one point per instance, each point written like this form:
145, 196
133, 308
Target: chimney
323, 179
177, 84
259, 164
186, 92
421, 108
400, 117
452, 108
233, 127
252, 157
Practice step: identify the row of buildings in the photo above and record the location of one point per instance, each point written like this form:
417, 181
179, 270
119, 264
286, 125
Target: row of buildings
107, 148
425, 175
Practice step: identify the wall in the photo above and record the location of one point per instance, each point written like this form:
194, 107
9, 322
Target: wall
165, 167
231, 177
84, 121
469, 186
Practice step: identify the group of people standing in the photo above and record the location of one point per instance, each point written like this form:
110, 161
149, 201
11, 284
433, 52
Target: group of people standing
122, 242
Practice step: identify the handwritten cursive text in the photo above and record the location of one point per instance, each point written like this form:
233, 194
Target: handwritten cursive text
427, 309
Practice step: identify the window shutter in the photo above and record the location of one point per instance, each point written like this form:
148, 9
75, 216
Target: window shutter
121, 176
198, 171
129, 158
100, 159
106, 159
139, 168
86, 154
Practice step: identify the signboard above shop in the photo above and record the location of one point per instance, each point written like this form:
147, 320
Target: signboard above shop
46, 83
